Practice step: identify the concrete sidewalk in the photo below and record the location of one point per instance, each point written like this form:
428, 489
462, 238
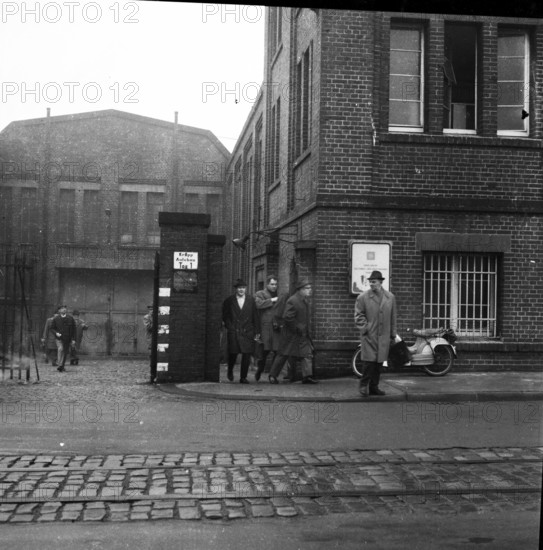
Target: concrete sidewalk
480, 386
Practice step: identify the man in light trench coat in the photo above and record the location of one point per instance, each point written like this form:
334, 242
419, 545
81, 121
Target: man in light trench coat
270, 308
375, 316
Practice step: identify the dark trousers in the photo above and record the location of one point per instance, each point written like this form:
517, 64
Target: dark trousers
371, 374
245, 361
74, 352
280, 360
262, 361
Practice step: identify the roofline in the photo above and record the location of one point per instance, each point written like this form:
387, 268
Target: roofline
248, 121
123, 114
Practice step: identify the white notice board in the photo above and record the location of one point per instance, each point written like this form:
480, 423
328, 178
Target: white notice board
185, 260
368, 256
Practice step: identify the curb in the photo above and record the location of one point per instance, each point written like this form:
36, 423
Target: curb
406, 395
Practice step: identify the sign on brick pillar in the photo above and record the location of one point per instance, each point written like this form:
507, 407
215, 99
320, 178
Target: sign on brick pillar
183, 295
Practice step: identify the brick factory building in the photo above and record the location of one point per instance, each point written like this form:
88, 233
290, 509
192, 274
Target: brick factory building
86, 190
409, 143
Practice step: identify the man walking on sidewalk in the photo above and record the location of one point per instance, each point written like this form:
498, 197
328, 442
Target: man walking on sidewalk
240, 317
375, 316
296, 341
268, 305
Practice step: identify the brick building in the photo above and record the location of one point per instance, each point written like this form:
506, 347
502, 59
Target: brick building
86, 190
419, 137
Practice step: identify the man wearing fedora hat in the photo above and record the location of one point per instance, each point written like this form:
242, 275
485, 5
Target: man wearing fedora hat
375, 316
240, 317
296, 341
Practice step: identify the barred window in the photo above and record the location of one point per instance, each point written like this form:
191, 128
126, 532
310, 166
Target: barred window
460, 291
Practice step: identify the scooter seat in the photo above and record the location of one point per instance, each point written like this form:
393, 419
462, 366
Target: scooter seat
427, 332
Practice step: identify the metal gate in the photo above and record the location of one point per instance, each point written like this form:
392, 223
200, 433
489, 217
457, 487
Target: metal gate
18, 345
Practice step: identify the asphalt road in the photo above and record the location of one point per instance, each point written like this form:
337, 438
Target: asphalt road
498, 531
170, 425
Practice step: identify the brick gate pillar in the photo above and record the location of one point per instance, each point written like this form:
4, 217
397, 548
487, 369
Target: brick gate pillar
186, 302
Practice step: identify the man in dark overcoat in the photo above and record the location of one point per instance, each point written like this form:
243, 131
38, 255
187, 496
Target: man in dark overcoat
270, 307
375, 317
49, 341
295, 344
240, 317
63, 327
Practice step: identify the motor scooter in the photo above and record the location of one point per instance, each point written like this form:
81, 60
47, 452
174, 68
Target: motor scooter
433, 350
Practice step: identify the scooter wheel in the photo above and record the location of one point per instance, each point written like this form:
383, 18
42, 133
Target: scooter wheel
443, 362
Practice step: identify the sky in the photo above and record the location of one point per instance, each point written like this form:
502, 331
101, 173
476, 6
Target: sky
205, 61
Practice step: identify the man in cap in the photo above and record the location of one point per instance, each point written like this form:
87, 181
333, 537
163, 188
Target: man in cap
63, 327
296, 341
375, 316
240, 317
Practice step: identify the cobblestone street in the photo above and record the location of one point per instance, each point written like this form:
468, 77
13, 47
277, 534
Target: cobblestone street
40, 488
94, 379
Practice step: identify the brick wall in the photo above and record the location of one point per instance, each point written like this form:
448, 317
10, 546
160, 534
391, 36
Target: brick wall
361, 181
191, 352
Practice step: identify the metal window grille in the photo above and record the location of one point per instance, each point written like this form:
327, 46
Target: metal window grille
460, 292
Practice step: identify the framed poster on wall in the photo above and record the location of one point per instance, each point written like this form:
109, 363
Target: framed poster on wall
368, 256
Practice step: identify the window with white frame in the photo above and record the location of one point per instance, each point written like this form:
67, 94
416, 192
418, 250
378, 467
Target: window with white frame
406, 88
460, 79
513, 81
91, 219
155, 204
304, 91
460, 291
6, 206
129, 217
275, 140
275, 28
66, 216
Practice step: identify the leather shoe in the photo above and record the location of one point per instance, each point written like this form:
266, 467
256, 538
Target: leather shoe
377, 391
61, 369
258, 374
230, 376
309, 380
363, 390
244, 381
273, 379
